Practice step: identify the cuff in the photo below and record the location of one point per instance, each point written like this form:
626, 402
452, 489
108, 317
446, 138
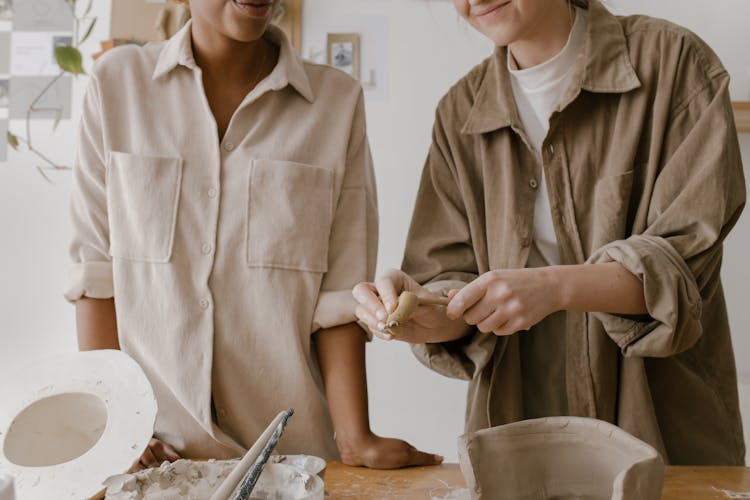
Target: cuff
90, 279
334, 308
461, 359
672, 298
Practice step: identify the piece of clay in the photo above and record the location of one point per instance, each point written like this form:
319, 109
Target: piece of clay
407, 304
559, 458
310, 463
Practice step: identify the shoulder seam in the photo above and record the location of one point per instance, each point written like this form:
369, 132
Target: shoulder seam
695, 41
682, 106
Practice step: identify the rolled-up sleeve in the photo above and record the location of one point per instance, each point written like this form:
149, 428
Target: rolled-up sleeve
440, 255
91, 269
697, 198
352, 252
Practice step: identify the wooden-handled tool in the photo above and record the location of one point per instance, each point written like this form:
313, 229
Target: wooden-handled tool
407, 304
249, 468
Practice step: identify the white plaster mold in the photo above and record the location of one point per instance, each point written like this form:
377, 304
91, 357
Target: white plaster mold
70, 422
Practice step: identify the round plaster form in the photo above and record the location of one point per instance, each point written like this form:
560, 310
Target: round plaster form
72, 421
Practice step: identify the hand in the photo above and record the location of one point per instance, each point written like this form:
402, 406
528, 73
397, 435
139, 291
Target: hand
156, 453
428, 323
377, 452
507, 301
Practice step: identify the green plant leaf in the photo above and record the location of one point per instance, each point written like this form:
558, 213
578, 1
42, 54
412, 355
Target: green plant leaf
12, 140
69, 59
88, 31
88, 8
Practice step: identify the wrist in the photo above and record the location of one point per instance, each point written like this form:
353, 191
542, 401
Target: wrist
350, 444
558, 281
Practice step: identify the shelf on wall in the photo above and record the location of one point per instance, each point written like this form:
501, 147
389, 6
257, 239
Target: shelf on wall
742, 115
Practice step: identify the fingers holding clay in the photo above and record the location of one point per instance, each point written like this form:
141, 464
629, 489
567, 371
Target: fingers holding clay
407, 304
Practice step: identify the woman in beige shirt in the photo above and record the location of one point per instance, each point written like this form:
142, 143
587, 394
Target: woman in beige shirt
223, 208
642, 178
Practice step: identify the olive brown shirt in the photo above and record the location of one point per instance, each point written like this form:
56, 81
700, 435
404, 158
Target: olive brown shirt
643, 168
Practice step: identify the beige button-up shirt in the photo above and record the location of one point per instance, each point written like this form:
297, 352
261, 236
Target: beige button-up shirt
223, 257
643, 168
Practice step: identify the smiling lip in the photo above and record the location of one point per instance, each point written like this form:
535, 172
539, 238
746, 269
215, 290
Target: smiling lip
253, 8
492, 9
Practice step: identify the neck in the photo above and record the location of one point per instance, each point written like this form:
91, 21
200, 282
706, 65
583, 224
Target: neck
546, 38
220, 56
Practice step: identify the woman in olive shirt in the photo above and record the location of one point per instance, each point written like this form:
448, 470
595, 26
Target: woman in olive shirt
638, 166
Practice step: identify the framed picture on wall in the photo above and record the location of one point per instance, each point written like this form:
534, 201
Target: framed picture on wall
343, 52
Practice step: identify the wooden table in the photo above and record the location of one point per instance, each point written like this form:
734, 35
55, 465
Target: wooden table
680, 483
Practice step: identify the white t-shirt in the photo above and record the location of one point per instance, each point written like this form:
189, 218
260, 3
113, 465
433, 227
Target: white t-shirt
538, 91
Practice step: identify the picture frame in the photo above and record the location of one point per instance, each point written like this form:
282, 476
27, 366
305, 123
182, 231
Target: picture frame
343, 51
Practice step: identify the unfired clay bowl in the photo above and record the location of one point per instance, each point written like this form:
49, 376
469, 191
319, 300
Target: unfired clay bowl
560, 458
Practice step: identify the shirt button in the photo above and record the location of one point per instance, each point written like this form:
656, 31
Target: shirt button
229, 146
551, 149
203, 303
525, 241
212, 192
533, 183
206, 248
222, 413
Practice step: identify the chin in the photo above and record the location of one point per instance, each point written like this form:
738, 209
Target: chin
500, 35
245, 31
245, 35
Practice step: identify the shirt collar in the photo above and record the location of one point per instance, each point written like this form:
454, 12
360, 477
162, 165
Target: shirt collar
604, 66
289, 70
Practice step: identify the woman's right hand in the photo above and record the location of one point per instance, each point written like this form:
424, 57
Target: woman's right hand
428, 324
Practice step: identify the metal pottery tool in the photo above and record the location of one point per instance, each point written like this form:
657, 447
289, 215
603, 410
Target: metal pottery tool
249, 468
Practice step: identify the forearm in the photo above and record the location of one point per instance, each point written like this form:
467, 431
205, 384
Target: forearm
607, 287
96, 324
341, 355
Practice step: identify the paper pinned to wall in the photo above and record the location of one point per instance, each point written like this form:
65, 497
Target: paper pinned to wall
33, 53
6, 17
41, 15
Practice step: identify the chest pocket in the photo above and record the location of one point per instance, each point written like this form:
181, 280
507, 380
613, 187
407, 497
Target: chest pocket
289, 216
143, 193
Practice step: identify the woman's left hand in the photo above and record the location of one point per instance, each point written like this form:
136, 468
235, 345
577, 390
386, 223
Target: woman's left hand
507, 301
377, 452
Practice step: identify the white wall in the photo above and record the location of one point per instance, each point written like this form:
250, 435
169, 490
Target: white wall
35, 320
426, 48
